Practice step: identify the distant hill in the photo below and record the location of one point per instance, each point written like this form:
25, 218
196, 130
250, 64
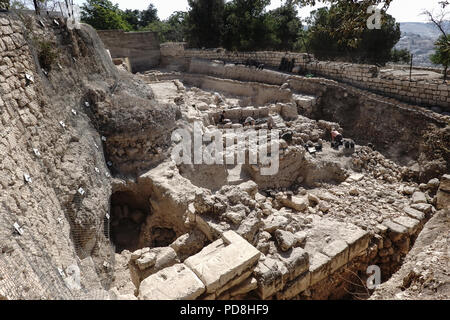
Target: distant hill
419, 38
420, 28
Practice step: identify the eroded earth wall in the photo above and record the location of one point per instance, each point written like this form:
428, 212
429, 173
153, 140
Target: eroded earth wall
57, 113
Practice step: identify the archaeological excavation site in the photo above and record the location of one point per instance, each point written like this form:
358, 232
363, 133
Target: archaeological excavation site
95, 204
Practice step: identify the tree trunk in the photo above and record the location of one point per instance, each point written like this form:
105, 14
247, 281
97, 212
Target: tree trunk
36, 7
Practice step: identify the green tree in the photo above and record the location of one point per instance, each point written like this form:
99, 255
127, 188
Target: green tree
357, 45
132, 17
287, 26
247, 26
148, 16
400, 56
171, 29
204, 23
376, 45
177, 23
442, 54
442, 50
353, 19
104, 15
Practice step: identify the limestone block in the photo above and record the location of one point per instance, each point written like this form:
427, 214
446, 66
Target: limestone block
410, 223
165, 257
433, 184
418, 197
250, 187
424, 207
216, 265
319, 267
275, 222
289, 111
235, 282
395, 231
189, 244
269, 274
413, 213
174, 283
338, 252
147, 260
245, 287
355, 177
295, 287
296, 261
357, 240
248, 112
285, 239
234, 114
296, 203
202, 106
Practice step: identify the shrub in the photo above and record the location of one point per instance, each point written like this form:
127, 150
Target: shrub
47, 55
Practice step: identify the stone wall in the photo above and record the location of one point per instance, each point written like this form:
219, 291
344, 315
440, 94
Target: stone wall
268, 58
430, 93
172, 55
142, 48
47, 154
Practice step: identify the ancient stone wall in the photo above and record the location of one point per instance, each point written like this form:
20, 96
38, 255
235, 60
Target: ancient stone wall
172, 55
51, 167
421, 92
142, 48
430, 93
56, 149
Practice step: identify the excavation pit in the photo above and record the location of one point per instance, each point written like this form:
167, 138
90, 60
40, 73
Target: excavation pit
140, 219
128, 213
131, 228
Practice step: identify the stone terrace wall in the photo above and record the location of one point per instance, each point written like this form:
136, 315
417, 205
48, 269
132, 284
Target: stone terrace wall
432, 93
142, 48
428, 93
269, 58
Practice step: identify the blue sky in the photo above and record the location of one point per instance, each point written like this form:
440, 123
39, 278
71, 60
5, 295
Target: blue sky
402, 10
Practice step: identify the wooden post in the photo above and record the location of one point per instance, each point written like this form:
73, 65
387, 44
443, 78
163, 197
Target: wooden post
410, 68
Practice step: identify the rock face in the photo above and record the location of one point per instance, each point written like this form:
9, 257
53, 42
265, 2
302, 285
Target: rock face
174, 283
443, 196
422, 276
47, 136
285, 239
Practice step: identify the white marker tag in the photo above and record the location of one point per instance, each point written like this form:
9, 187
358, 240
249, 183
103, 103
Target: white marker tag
27, 178
18, 228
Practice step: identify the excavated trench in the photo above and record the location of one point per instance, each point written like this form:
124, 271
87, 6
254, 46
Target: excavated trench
139, 220
135, 225
129, 212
